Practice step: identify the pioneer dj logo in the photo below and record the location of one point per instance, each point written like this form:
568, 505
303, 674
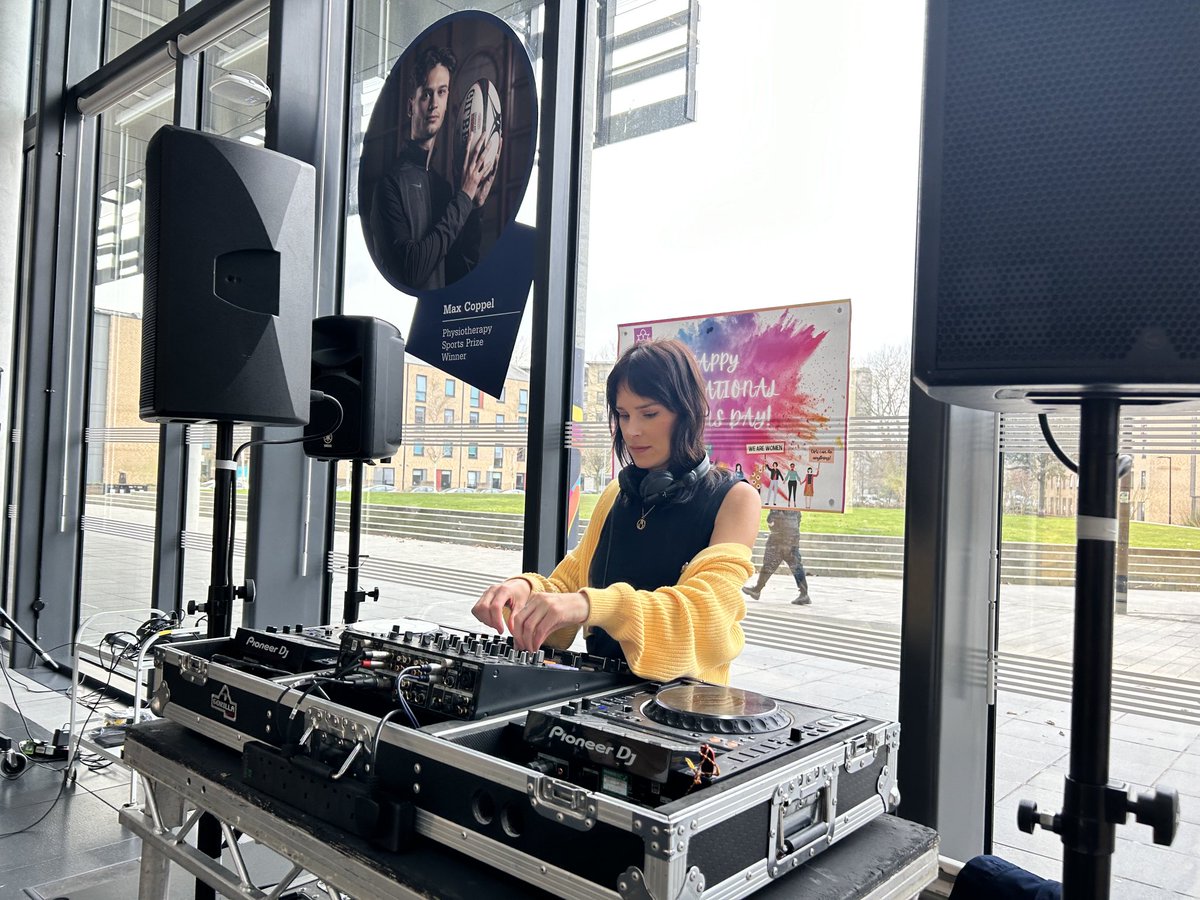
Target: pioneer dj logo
223, 703
618, 753
279, 650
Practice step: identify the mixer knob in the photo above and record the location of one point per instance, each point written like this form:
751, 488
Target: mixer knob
540, 658
408, 636
395, 629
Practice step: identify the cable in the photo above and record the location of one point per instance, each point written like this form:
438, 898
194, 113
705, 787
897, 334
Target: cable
344, 670
1044, 424
314, 397
64, 769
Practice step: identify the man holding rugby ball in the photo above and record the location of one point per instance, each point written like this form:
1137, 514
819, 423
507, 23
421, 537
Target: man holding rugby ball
429, 231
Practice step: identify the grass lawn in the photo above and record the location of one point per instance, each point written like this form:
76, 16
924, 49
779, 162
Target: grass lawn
856, 520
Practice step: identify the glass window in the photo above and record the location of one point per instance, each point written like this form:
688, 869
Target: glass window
419, 415
418, 477
382, 30
1157, 545
472, 478
519, 481
121, 462
499, 418
498, 457
496, 480
449, 387
418, 449
131, 20
473, 417
472, 451
852, 195
523, 401
236, 92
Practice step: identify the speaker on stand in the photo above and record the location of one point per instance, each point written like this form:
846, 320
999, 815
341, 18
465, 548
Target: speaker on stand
227, 301
359, 361
1056, 267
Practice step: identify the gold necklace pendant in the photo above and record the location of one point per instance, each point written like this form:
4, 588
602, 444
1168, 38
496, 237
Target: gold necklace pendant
641, 523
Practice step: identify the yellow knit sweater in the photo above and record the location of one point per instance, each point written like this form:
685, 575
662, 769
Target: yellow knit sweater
690, 628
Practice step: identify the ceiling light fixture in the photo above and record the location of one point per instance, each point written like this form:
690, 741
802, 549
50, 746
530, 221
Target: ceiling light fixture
243, 88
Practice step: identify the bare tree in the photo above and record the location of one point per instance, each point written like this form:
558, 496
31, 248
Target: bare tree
595, 462
881, 383
435, 450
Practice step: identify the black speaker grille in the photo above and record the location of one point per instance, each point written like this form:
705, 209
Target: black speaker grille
1070, 196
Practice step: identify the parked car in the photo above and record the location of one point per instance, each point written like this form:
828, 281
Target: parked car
489, 491
422, 489
514, 491
374, 488
459, 490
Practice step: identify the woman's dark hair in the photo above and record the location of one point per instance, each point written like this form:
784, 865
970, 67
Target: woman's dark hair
664, 371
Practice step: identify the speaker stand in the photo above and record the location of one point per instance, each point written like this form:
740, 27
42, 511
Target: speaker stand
354, 596
18, 631
1093, 806
218, 607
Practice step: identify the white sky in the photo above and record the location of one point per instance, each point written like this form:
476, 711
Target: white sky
797, 182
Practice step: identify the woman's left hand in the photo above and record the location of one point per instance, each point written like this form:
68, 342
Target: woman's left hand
543, 614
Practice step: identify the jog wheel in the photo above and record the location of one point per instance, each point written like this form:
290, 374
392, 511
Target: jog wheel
715, 709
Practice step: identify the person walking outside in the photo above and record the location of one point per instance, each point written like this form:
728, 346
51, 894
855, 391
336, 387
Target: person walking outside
783, 546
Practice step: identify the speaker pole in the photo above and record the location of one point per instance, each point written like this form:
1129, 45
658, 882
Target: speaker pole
1088, 833
1092, 805
353, 595
220, 589
218, 608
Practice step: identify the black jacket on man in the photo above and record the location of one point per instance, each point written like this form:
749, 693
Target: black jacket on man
427, 234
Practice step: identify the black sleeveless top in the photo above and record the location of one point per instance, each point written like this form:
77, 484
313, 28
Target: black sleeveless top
657, 555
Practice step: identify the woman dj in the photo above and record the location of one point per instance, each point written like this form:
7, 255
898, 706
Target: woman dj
656, 579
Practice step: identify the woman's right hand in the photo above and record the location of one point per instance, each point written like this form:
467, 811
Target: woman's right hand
511, 594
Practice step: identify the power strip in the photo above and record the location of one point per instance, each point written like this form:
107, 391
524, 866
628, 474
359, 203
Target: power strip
47, 751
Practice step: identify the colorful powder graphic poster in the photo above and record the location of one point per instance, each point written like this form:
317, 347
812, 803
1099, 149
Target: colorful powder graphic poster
778, 384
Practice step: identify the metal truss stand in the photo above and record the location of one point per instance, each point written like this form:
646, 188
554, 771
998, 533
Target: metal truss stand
1092, 805
176, 797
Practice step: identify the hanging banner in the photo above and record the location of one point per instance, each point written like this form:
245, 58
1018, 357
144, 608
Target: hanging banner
446, 160
778, 383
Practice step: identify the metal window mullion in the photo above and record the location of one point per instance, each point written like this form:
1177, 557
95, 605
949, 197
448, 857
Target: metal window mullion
170, 504
554, 294
45, 558
289, 517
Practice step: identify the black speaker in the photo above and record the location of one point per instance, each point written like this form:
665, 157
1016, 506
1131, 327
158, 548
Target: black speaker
1059, 220
228, 290
358, 360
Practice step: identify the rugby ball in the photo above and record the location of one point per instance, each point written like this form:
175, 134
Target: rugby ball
480, 114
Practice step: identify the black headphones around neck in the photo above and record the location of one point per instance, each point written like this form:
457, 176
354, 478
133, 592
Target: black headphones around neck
661, 486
